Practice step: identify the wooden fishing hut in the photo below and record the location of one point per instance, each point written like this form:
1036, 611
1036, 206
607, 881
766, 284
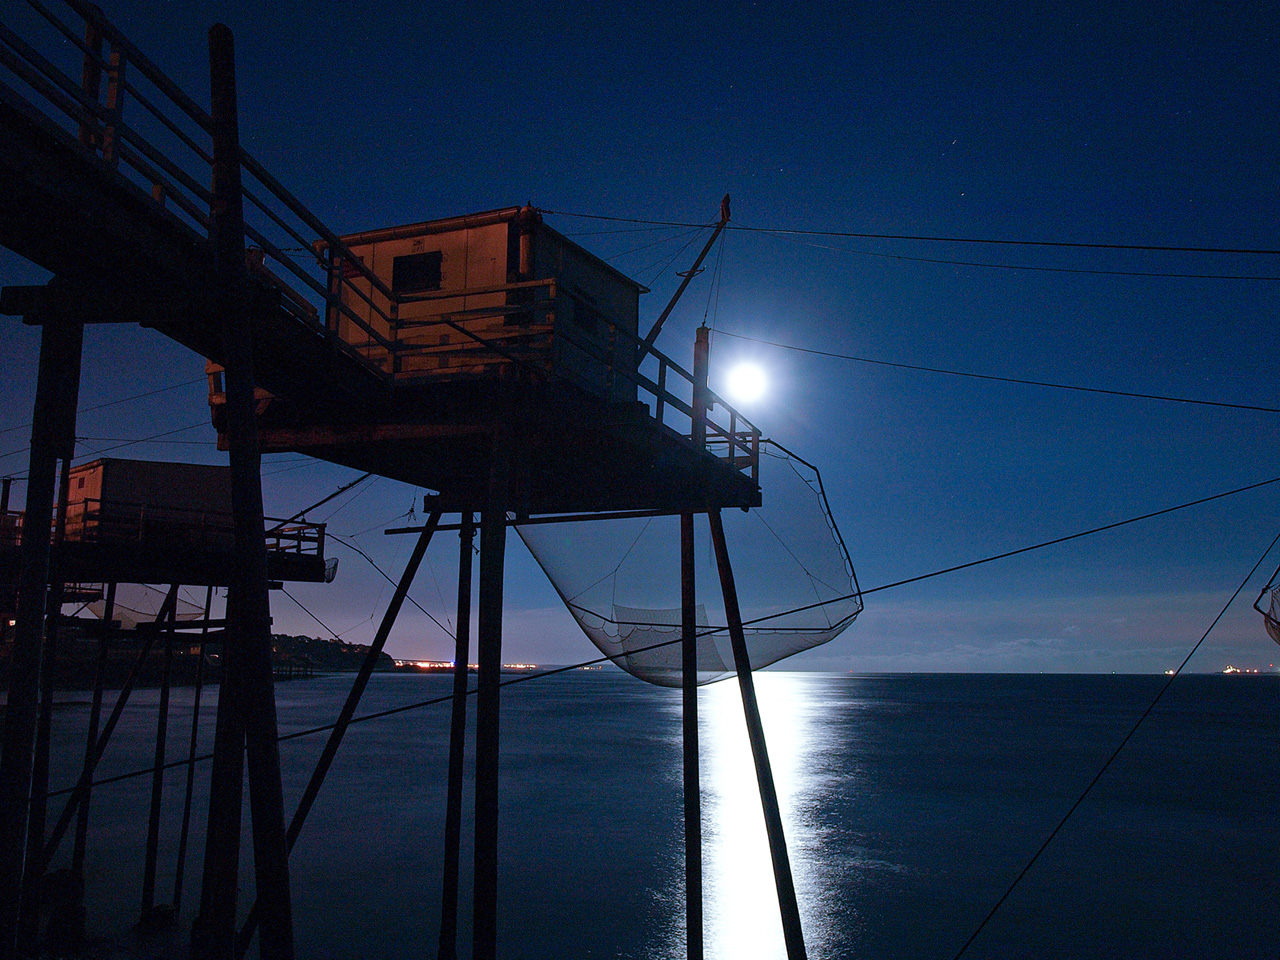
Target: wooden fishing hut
143, 521
501, 337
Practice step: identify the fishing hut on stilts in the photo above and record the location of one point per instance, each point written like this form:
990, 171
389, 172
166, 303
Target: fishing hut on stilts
487, 358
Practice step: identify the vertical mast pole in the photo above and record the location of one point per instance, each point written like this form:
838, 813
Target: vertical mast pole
701, 364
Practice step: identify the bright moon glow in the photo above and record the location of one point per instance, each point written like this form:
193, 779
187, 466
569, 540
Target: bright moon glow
746, 383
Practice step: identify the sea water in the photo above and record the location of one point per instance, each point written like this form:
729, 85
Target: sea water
910, 803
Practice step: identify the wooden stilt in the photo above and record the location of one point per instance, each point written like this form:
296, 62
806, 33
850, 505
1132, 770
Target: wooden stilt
689, 723
148, 918
493, 535
755, 731
180, 868
247, 652
81, 790
215, 923
247, 686
91, 739
36, 864
348, 711
448, 948
52, 436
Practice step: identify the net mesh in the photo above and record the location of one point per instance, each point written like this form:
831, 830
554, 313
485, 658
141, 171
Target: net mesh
1272, 617
620, 579
139, 603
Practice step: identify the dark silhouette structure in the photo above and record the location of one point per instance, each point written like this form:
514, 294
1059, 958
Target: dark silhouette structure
485, 357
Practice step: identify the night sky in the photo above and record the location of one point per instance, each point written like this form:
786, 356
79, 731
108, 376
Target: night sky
1134, 124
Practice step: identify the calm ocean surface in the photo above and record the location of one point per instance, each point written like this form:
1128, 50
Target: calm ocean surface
910, 801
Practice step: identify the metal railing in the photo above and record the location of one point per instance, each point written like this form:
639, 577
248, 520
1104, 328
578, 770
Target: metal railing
140, 125
130, 119
93, 520
304, 539
730, 435
11, 528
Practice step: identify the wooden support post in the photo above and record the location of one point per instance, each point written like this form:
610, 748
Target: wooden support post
448, 948
180, 868
91, 80
91, 739
791, 931
348, 711
493, 535
81, 790
52, 436
149, 919
689, 723
36, 864
247, 686
213, 931
701, 363
114, 105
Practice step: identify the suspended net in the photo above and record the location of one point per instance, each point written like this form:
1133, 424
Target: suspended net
1268, 604
620, 579
1270, 613
138, 603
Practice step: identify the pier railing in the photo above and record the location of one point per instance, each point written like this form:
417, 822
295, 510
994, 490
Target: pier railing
92, 520
11, 528
76, 68
73, 68
666, 387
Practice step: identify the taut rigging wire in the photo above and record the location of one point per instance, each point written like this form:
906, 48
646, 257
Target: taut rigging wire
604, 659
333, 633
128, 443
1157, 248
985, 376
112, 403
93, 453
351, 546
1115, 753
1023, 266
341, 490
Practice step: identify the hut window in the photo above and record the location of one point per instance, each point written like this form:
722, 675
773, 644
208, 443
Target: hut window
586, 317
417, 272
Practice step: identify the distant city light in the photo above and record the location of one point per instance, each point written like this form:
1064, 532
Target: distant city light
746, 383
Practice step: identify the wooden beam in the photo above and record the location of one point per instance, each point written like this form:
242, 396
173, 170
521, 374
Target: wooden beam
279, 438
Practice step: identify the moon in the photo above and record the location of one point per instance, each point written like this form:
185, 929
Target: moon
746, 383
